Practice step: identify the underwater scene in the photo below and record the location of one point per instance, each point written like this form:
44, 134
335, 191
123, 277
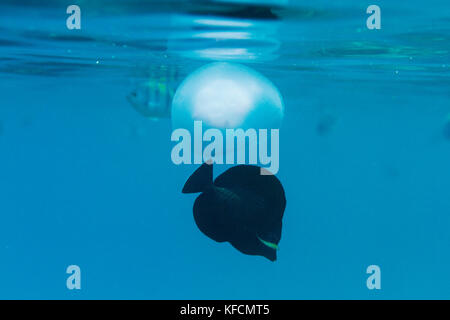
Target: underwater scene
224, 149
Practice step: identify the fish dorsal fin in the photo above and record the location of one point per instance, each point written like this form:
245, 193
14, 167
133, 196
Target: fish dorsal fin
200, 179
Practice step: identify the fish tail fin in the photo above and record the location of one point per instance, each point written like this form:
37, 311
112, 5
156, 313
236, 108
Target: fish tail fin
200, 179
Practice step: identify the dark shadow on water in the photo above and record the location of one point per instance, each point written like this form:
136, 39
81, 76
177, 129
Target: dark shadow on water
234, 11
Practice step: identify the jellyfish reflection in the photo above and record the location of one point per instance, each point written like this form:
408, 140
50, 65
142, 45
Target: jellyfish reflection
239, 31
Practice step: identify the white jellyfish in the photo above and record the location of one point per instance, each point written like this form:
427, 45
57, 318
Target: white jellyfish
227, 95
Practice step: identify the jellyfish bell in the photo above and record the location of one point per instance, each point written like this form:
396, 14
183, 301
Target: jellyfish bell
227, 96
231, 108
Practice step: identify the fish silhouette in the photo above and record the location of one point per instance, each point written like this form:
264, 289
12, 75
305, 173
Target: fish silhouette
240, 206
152, 98
325, 125
446, 129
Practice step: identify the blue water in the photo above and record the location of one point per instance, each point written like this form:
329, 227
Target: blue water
86, 179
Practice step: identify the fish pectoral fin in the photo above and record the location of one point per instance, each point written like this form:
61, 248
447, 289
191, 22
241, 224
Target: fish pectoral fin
269, 244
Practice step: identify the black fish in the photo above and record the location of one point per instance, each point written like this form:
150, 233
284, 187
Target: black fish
241, 206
